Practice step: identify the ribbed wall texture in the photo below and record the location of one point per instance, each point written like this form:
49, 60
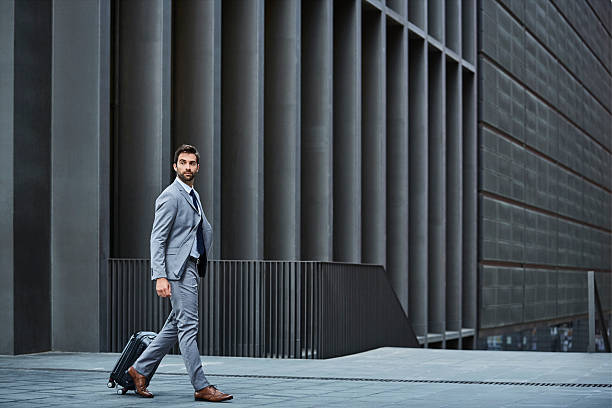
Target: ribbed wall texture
269, 309
545, 139
337, 131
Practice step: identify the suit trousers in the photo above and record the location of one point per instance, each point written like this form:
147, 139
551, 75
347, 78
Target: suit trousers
182, 325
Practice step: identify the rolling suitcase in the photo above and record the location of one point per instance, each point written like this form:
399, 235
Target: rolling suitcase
134, 348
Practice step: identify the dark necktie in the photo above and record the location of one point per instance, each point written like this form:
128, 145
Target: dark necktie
200, 231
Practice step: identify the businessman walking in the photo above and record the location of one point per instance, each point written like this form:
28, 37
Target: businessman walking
180, 241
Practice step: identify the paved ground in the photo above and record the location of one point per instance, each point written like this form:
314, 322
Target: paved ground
387, 377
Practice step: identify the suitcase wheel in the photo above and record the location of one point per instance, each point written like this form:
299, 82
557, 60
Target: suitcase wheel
124, 391
111, 384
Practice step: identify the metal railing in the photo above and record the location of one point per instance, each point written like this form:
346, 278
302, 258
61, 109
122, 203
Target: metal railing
284, 309
595, 308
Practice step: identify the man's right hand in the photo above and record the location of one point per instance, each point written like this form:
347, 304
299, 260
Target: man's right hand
162, 286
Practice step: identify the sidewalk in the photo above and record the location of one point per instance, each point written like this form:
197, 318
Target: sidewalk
387, 377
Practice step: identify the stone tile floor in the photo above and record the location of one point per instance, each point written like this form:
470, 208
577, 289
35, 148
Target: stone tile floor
386, 377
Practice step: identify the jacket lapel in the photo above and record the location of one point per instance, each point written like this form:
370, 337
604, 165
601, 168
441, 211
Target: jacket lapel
184, 194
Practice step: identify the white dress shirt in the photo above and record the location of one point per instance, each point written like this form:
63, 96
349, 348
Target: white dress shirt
194, 248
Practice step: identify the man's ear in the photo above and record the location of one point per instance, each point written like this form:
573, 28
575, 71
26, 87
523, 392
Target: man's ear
174, 166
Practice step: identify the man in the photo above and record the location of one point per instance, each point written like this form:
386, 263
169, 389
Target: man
180, 241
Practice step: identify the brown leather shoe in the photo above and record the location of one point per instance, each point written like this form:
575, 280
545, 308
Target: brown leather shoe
211, 394
140, 381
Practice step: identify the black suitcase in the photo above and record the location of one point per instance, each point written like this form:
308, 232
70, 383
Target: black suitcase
134, 348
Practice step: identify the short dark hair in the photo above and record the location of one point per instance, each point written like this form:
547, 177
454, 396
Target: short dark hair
186, 149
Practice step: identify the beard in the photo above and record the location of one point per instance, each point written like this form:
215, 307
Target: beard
185, 178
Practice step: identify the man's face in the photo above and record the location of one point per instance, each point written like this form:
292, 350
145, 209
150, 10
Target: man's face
186, 167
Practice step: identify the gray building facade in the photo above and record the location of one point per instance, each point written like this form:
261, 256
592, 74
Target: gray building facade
545, 131
463, 145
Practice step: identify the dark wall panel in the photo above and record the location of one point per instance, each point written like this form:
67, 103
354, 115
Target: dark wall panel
316, 130
418, 185
7, 30
373, 139
242, 124
544, 129
142, 119
79, 221
347, 131
196, 97
32, 187
282, 130
436, 173
397, 161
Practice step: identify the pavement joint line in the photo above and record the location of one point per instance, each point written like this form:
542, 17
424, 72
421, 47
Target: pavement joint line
386, 380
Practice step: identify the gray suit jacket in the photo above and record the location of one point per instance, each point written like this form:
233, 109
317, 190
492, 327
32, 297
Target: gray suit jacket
174, 233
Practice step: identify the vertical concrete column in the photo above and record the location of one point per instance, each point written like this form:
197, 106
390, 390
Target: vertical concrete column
435, 19
374, 148
468, 30
454, 197
437, 192
591, 310
317, 130
31, 176
242, 129
104, 158
470, 168
282, 130
142, 135
418, 159
470, 197
196, 98
347, 131
417, 13
452, 23
399, 6
79, 222
7, 81
397, 161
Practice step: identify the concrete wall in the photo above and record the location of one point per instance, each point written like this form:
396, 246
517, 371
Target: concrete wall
282, 136
545, 115
141, 120
196, 97
31, 177
7, 39
329, 130
79, 171
55, 138
316, 131
323, 134
242, 126
300, 110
